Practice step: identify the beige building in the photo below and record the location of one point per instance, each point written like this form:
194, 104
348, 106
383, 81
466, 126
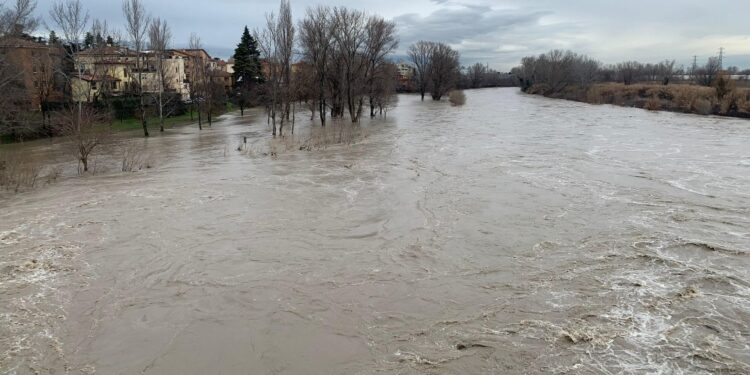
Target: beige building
111, 71
105, 71
175, 74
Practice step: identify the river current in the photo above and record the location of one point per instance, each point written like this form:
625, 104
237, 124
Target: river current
514, 234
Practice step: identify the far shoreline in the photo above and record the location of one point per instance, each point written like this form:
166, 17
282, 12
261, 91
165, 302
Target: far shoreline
676, 98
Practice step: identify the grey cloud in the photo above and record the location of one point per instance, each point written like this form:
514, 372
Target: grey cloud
498, 32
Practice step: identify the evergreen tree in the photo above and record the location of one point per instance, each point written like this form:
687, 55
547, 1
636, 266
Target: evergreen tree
247, 69
99, 40
88, 41
110, 41
53, 39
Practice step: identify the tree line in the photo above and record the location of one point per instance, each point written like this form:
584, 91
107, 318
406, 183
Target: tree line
334, 61
557, 70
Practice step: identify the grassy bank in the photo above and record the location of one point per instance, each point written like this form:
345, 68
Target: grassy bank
682, 98
153, 122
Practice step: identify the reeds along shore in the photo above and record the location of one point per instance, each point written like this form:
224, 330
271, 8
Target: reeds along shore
685, 98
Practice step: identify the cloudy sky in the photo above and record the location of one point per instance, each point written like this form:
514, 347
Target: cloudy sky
496, 32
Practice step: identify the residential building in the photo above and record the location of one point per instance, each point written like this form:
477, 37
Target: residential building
404, 76
38, 66
111, 71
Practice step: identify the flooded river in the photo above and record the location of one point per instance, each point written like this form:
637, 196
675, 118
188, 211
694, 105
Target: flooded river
515, 234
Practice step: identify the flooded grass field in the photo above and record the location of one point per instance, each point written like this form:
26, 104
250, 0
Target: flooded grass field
514, 234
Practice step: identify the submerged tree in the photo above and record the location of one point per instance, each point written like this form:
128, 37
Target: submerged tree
420, 54
444, 70
136, 26
316, 40
85, 133
159, 38
381, 41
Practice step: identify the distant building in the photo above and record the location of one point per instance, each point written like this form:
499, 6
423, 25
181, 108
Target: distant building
111, 71
404, 77
230, 65
106, 71
37, 64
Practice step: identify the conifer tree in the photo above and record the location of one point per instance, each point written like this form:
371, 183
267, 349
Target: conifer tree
53, 39
247, 69
88, 41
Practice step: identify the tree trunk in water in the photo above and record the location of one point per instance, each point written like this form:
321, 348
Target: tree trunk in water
322, 111
145, 124
161, 114
143, 116
200, 120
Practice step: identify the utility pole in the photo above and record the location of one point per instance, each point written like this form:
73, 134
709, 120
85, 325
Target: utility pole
694, 67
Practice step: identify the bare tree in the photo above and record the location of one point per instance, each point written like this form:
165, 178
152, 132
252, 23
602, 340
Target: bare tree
666, 71
136, 26
85, 133
71, 18
350, 36
384, 92
420, 54
268, 42
316, 41
628, 71
285, 43
586, 71
197, 77
706, 75
476, 74
159, 39
381, 41
276, 44
19, 19
444, 70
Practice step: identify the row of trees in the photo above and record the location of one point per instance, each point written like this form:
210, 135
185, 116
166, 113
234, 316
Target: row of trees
343, 66
436, 68
556, 70
481, 75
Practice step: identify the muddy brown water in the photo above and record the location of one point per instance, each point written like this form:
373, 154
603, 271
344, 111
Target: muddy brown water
515, 234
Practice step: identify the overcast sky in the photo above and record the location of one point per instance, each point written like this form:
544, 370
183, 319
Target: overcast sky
496, 32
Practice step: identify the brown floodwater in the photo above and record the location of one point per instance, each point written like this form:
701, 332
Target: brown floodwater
515, 234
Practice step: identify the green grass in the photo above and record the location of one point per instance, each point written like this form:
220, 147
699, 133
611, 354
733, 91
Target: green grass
169, 122
153, 122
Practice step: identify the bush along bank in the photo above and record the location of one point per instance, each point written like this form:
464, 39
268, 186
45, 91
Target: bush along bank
683, 98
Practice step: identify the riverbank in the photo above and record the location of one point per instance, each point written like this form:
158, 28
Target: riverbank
693, 99
124, 125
